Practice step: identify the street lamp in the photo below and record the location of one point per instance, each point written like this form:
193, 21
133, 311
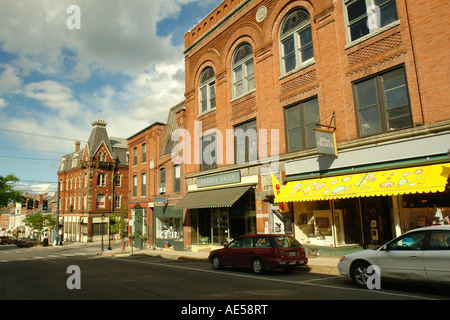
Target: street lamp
101, 226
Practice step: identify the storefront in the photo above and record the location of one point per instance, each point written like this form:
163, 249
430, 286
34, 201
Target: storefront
169, 227
219, 208
344, 212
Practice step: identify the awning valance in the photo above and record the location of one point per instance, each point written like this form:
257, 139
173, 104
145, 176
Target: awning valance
430, 178
224, 197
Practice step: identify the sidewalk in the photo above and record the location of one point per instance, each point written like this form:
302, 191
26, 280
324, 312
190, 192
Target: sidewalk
324, 265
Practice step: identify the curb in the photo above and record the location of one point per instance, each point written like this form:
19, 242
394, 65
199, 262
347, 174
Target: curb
321, 269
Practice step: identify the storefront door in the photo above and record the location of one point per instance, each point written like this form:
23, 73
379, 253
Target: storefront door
220, 226
376, 220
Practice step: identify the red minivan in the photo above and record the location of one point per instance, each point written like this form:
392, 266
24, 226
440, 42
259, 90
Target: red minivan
259, 252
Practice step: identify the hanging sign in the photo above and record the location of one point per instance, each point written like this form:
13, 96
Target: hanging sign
326, 141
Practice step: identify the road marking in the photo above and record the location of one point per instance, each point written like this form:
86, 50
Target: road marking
305, 282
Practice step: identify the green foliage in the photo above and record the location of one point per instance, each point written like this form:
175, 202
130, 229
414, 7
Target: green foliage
39, 221
7, 192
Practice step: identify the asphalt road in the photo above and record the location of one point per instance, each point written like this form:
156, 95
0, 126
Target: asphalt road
44, 274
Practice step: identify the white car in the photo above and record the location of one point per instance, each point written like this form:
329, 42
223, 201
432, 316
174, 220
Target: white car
421, 254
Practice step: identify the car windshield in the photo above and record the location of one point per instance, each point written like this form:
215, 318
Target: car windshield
286, 242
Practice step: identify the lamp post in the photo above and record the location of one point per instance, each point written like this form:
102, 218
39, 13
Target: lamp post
101, 226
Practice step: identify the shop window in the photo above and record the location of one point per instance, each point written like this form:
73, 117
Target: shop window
246, 142
300, 120
207, 91
367, 16
296, 41
243, 71
382, 103
169, 228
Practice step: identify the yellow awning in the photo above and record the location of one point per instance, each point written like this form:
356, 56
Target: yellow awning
430, 178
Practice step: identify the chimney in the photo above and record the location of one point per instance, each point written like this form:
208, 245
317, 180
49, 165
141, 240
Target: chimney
77, 146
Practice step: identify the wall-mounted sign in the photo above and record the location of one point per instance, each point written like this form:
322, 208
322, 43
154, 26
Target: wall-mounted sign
326, 141
161, 200
218, 179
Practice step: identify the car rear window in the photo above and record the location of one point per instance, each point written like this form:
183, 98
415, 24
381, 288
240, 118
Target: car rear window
286, 242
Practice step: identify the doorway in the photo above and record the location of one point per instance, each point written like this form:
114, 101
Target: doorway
376, 218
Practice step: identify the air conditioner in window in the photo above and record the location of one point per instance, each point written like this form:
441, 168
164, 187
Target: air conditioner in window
162, 190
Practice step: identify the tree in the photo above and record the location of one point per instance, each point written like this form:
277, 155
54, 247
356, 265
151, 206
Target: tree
7, 192
39, 221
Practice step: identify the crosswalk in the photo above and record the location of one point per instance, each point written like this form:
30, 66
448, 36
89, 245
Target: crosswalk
36, 254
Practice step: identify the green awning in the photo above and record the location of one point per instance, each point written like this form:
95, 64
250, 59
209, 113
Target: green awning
168, 212
218, 198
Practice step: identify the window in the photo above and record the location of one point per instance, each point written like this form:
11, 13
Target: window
143, 184
162, 178
144, 153
117, 201
300, 120
296, 41
134, 186
207, 90
118, 180
411, 241
134, 156
208, 152
246, 142
382, 103
243, 73
101, 180
439, 240
100, 201
176, 178
367, 16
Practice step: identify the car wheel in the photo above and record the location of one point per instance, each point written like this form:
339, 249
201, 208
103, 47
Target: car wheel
359, 274
217, 265
257, 266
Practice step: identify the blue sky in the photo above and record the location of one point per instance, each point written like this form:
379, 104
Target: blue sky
125, 63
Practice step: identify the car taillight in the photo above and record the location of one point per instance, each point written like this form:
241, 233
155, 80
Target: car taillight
303, 252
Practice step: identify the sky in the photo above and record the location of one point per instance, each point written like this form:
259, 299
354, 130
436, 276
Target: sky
60, 69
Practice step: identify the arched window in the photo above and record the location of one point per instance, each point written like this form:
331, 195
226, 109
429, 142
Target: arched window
296, 41
243, 73
207, 90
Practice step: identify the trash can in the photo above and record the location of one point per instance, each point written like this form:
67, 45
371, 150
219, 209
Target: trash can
45, 242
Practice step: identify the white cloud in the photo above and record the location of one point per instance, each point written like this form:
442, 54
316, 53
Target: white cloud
10, 81
3, 103
53, 95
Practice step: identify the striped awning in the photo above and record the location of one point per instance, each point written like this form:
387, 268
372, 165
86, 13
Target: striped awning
423, 179
217, 198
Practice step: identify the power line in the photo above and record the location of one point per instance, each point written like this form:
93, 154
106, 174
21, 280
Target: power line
27, 158
39, 135
36, 150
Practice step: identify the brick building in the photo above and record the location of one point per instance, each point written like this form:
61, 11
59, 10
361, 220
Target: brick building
373, 73
155, 185
93, 184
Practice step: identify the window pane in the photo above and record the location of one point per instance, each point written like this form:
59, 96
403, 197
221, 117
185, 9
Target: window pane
311, 108
440, 240
369, 121
250, 83
238, 89
288, 46
305, 37
411, 241
359, 29
250, 70
356, 10
289, 63
252, 141
388, 12
238, 74
366, 93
